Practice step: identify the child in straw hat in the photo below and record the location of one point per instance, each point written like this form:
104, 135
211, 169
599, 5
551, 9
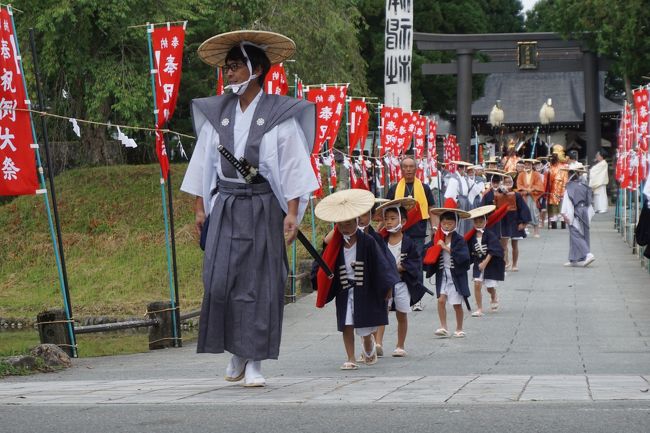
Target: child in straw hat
404, 253
487, 259
451, 268
361, 284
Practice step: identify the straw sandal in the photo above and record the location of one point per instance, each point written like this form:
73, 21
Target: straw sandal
349, 366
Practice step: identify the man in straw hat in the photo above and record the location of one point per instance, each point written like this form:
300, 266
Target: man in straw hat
577, 212
363, 279
249, 169
487, 258
450, 268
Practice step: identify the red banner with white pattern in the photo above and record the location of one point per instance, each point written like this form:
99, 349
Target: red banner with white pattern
432, 155
167, 44
275, 82
17, 158
358, 117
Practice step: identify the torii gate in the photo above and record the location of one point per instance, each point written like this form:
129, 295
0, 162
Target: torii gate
514, 53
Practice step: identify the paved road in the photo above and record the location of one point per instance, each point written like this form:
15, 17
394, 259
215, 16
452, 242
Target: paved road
567, 342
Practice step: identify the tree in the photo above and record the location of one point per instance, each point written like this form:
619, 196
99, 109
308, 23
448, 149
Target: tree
617, 31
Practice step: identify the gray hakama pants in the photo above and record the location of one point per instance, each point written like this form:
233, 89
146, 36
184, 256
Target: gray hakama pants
464, 225
534, 211
579, 236
244, 273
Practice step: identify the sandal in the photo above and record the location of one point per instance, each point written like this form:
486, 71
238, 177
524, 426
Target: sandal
459, 334
372, 359
477, 313
494, 306
380, 350
399, 353
442, 332
349, 366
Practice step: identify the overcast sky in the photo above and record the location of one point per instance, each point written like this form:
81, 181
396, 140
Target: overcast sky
528, 4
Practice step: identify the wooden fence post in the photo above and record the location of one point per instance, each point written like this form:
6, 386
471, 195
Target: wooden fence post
161, 335
53, 329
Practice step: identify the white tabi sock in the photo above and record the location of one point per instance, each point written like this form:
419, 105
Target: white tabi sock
254, 374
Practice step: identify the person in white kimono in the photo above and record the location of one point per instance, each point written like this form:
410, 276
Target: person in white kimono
457, 191
598, 181
246, 221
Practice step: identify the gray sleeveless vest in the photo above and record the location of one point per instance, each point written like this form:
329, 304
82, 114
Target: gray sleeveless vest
271, 110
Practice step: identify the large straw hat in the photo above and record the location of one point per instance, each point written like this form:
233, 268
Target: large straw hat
463, 163
481, 211
575, 166
407, 203
440, 210
277, 47
345, 205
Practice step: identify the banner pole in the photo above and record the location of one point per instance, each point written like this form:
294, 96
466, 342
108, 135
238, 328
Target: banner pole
177, 311
172, 297
58, 241
294, 250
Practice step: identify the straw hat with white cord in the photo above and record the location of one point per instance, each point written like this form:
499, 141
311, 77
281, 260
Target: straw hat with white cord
481, 211
345, 205
277, 47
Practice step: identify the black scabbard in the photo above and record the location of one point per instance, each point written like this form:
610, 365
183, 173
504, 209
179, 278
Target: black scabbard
467, 303
312, 252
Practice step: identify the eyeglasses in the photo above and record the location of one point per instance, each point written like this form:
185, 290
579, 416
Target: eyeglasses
232, 67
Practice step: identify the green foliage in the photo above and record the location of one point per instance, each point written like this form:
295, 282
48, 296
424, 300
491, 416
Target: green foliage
87, 48
326, 34
617, 30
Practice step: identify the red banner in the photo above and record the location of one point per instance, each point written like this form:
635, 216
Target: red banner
432, 155
358, 117
275, 82
420, 137
330, 103
390, 121
452, 152
641, 106
299, 90
405, 131
219, 89
167, 44
17, 159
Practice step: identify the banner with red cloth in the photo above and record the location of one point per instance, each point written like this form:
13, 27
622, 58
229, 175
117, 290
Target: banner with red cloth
406, 130
432, 154
390, 121
358, 117
167, 45
420, 134
452, 152
219, 89
330, 103
641, 97
17, 157
275, 82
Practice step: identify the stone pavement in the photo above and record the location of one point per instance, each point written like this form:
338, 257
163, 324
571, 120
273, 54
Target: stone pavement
561, 335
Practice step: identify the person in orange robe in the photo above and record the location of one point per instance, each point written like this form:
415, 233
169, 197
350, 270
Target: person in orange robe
530, 184
557, 179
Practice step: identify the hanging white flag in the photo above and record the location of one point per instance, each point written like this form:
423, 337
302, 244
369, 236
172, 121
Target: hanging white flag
126, 141
64, 93
75, 127
180, 148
